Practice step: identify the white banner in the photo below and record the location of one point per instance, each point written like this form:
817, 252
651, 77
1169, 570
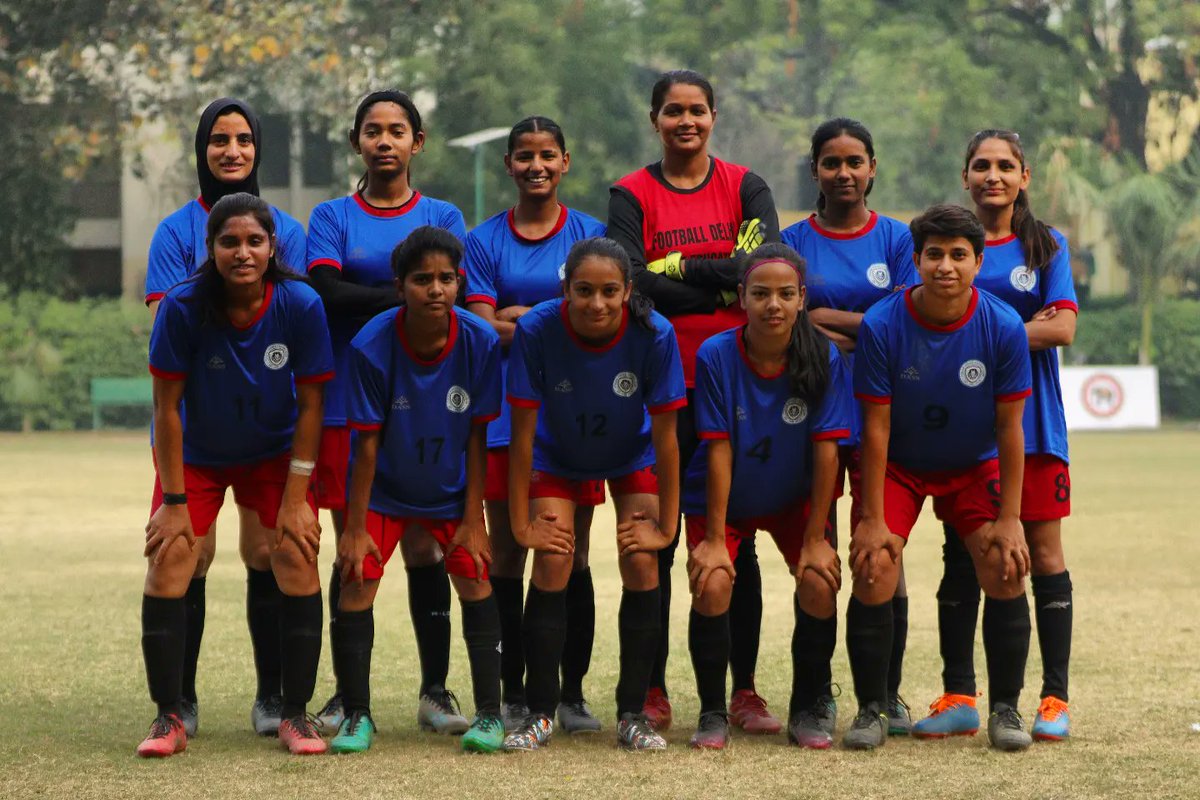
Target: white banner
1110, 398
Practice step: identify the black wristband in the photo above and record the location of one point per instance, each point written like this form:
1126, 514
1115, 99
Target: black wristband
174, 499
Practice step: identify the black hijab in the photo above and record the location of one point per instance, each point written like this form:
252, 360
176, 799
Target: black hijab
211, 188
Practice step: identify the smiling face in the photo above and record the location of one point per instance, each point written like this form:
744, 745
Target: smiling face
844, 170
947, 266
596, 297
772, 296
430, 289
537, 164
230, 153
242, 251
386, 140
685, 120
995, 175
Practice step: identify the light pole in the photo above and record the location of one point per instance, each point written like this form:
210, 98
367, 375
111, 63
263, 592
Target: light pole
475, 142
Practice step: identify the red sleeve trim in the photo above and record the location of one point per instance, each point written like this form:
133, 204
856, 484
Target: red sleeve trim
150, 298
484, 419
878, 399
523, 402
481, 298
167, 376
713, 434
1012, 397
674, 405
324, 262
365, 426
1065, 305
824, 436
321, 378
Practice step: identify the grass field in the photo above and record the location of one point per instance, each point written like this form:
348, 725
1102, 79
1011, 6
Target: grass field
73, 700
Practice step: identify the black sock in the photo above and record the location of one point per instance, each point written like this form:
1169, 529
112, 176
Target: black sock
813, 642
869, 645
581, 631
543, 631
352, 636
263, 600
1006, 644
899, 643
1052, 599
508, 593
335, 597
639, 627
745, 617
194, 601
300, 622
708, 641
429, 606
658, 667
958, 611
481, 630
164, 625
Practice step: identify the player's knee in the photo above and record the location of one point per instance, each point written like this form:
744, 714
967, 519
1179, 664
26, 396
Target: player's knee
551, 571
295, 574
1046, 556
470, 590
206, 551
508, 559
881, 590
639, 571
357, 596
255, 551
817, 598
992, 579
714, 598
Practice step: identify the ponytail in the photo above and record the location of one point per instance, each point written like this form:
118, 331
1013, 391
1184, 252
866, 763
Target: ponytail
640, 306
1037, 242
808, 349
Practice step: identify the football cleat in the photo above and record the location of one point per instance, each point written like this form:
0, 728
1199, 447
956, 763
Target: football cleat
748, 711
949, 715
166, 738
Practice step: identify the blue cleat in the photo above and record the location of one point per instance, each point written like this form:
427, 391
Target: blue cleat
949, 715
1053, 721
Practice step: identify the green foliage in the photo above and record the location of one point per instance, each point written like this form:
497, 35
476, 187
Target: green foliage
53, 348
1110, 335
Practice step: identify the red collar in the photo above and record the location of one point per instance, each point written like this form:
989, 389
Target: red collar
593, 348
863, 231
268, 293
558, 226
953, 326
741, 343
398, 211
402, 335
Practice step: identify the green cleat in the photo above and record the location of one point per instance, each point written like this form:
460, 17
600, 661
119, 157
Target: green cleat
355, 734
486, 734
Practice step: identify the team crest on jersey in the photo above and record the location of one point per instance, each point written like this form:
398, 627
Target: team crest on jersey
879, 276
972, 373
276, 356
795, 411
1022, 278
457, 399
625, 384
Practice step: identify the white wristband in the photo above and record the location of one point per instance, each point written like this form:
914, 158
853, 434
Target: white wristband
302, 467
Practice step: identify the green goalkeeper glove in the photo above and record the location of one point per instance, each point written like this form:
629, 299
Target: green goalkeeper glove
750, 236
670, 265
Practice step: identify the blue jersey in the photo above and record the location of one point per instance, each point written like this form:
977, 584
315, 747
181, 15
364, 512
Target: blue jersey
1028, 291
769, 429
356, 238
506, 269
178, 247
943, 382
853, 271
239, 402
424, 410
594, 400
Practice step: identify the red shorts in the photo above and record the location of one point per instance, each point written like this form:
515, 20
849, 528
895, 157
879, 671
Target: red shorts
333, 464
1046, 491
387, 532
495, 483
257, 486
966, 499
785, 527
589, 492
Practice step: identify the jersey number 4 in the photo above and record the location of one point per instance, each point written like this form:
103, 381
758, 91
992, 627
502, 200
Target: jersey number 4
760, 450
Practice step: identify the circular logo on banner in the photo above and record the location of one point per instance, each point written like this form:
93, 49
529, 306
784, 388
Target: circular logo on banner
625, 384
972, 373
457, 399
1103, 395
794, 411
1022, 278
879, 276
276, 356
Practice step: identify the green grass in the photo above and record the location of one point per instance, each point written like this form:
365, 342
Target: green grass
73, 701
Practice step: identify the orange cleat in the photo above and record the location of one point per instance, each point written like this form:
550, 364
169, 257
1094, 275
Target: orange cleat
166, 738
299, 735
